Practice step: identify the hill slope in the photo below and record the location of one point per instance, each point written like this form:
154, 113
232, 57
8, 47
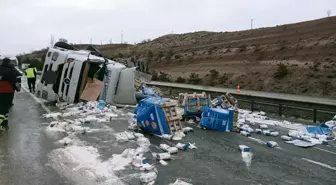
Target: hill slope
251, 58
296, 58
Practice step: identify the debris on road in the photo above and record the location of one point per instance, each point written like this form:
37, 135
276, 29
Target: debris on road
301, 143
162, 156
217, 119
244, 148
169, 149
192, 146
286, 138
246, 154
148, 178
244, 133
158, 116
180, 182
182, 146
194, 104
263, 126
271, 144
274, 134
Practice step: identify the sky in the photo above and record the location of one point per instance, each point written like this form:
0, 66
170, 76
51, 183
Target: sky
27, 25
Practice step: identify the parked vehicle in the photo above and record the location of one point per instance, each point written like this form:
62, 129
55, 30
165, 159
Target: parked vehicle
67, 71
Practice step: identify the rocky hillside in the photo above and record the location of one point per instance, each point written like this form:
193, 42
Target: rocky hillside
295, 58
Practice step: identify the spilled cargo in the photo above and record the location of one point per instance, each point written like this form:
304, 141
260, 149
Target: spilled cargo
158, 116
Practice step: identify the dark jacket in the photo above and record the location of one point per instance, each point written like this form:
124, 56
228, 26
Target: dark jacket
10, 80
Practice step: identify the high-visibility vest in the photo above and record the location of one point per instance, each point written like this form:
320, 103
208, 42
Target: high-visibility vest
30, 73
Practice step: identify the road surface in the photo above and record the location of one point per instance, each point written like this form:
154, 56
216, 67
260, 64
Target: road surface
30, 156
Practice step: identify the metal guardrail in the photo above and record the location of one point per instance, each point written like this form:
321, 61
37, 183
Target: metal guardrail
143, 77
314, 105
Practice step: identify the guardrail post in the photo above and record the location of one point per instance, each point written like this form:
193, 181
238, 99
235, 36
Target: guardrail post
252, 105
280, 109
314, 115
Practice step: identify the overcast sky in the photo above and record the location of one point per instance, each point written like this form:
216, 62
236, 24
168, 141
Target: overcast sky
26, 25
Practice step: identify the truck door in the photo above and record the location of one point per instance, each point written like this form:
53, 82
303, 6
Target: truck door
74, 76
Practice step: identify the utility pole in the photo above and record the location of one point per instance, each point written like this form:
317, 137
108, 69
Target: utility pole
251, 24
329, 13
91, 40
122, 37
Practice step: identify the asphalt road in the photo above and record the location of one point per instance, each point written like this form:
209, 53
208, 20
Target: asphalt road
217, 160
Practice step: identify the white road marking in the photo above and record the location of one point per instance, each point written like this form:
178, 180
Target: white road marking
319, 163
325, 150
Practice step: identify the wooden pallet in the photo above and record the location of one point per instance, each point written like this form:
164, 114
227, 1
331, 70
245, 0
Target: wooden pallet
173, 119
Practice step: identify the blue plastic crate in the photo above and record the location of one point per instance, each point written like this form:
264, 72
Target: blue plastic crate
151, 117
217, 119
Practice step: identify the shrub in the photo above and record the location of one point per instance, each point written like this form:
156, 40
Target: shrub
164, 77
154, 75
194, 79
282, 71
181, 80
120, 55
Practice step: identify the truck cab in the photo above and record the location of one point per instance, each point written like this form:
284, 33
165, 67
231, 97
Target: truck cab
67, 72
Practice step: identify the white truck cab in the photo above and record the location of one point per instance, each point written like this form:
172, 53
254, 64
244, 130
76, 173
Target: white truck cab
66, 72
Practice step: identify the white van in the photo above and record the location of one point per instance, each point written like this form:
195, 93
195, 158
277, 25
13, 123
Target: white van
66, 72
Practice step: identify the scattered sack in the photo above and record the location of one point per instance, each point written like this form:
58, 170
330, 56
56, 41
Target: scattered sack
163, 163
138, 135
121, 137
244, 148
129, 135
129, 152
182, 146
258, 131
286, 138
147, 167
148, 177
274, 134
263, 126
266, 132
163, 156
244, 133
271, 144
168, 148
187, 129
294, 133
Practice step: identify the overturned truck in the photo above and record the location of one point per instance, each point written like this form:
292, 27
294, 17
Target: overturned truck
71, 75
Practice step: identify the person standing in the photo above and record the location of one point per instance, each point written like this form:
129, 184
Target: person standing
31, 77
9, 83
